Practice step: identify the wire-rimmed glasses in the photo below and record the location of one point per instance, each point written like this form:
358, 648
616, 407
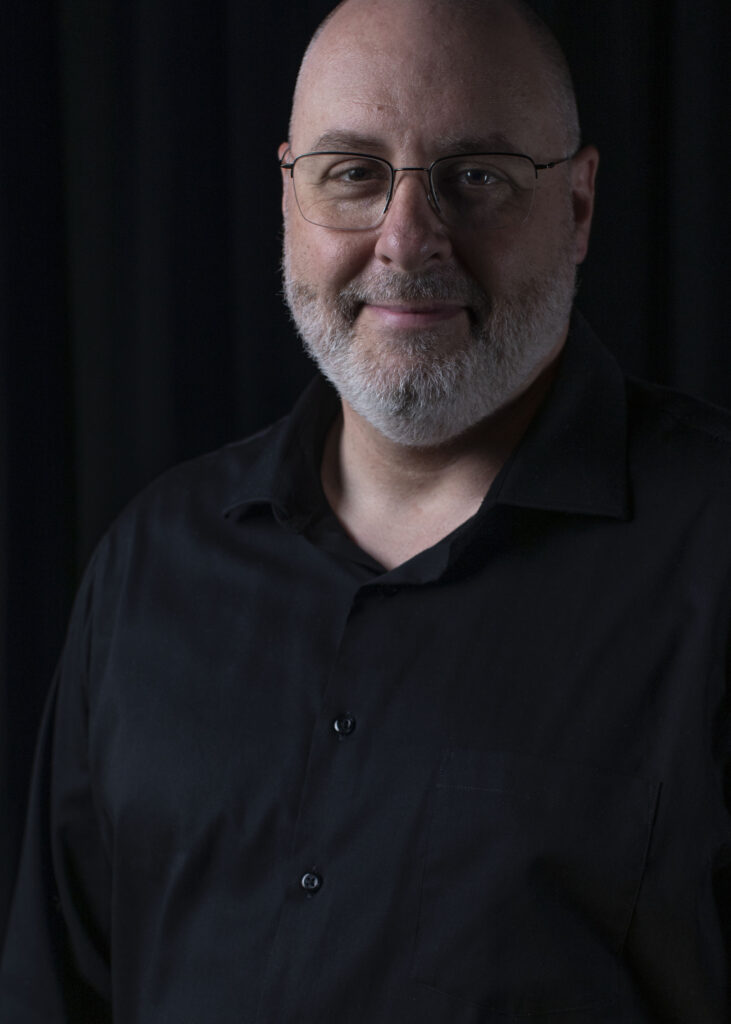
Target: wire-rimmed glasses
352, 191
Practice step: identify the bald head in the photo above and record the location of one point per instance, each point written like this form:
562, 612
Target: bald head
484, 24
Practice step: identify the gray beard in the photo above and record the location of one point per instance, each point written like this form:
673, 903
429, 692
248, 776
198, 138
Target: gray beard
430, 393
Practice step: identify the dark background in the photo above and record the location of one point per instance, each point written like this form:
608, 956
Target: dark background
140, 321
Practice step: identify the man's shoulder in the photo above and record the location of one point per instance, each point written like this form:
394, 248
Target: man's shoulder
681, 431
205, 487
695, 416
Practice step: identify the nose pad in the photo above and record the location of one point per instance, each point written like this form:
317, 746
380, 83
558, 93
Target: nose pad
428, 192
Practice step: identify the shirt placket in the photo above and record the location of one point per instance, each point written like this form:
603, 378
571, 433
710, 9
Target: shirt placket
352, 883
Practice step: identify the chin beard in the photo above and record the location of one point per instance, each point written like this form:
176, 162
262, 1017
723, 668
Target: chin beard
418, 391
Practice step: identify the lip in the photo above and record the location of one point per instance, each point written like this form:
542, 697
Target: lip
414, 314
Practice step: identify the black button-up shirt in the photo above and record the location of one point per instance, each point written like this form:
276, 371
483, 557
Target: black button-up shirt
278, 784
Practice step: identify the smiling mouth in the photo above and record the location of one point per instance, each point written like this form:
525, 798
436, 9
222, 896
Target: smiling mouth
413, 314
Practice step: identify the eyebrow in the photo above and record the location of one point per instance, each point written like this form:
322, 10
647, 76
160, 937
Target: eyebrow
495, 142
341, 139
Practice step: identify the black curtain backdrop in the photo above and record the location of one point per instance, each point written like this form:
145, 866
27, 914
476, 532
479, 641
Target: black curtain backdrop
139, 242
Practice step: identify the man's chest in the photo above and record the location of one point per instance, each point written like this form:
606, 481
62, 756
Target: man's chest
451, 786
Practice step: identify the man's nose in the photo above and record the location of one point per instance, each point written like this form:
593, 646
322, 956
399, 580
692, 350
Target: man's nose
412, 236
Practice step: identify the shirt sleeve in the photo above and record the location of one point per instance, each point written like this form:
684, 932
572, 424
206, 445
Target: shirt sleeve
55, 965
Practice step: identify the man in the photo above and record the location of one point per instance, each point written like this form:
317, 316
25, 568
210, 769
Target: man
412, 708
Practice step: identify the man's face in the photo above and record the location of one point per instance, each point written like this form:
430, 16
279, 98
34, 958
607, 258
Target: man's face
425, 329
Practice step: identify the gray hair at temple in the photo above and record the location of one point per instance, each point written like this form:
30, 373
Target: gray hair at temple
555, 66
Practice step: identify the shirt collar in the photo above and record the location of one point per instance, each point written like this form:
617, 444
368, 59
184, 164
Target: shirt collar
285, 471
573, 457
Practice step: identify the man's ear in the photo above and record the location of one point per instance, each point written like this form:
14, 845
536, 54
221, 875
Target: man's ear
583, 184
281, 153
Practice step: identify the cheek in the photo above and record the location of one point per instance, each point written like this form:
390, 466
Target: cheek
489, 260
551, 229
505, 259
326, 259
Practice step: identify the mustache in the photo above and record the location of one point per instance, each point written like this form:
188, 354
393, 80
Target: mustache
444, 286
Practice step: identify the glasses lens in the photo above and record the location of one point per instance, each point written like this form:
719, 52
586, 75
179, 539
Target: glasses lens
340, 190
484, 189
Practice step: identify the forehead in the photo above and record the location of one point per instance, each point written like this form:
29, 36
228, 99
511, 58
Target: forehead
415, 79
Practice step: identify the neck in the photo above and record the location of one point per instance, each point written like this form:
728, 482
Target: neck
395, 500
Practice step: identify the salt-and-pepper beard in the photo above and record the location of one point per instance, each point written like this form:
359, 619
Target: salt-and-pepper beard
432, 392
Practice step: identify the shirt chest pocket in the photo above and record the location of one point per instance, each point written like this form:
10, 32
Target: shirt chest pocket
531, 873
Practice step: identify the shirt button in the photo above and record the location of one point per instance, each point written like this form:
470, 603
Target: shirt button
310, 882
344, 725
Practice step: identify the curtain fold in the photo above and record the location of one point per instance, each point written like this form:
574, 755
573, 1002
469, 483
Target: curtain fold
36, 388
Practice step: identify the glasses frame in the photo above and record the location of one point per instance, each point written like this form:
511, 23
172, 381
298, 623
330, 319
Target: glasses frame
431, 194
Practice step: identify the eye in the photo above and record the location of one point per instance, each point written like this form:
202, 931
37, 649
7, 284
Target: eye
355, 174
477, 179
475, 176
351, 172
